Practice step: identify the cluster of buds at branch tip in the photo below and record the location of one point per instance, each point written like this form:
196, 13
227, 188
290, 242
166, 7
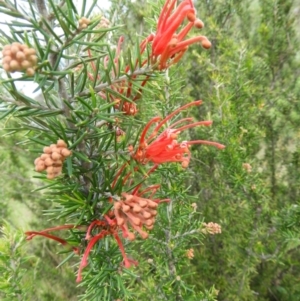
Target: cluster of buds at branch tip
104, 23
83, 23
19, 57
52, 159
164, 147
137, 212
190, 253
135, 209
120, 134
168, 45
129, 108
211, 228
247, 167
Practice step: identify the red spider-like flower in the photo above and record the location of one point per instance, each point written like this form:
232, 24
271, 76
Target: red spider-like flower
164, 147
108, 227
134, 209
168, 46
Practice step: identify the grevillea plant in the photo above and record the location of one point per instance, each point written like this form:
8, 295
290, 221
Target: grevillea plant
107, 165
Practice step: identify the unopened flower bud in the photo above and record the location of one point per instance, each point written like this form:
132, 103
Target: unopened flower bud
47, 150
61, 143
40, 166
131, 236
198, 24
206, 44
25, 64
50, 169
20, 55
6, 67
30, 71
144, 234
146, 214
65, 152
191, 17
125, 208
14, 65
137, 208
50, 176
48, 162
44, 156
120, 221
55, 156
57, 163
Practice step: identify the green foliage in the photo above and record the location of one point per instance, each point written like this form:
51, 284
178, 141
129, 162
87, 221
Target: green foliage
12, 259
250, 90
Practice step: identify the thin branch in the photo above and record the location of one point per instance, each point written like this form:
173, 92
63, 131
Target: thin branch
52, 15
185, 234
20, 104
14, 9
42, 8
143, 71
62, 90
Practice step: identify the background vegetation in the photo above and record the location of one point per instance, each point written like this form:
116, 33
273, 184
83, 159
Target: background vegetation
249, 82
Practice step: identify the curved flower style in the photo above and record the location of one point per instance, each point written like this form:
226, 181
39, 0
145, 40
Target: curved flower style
31, 234
168, 46
164, 147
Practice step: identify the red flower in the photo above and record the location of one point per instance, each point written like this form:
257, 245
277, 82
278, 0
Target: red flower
164, 147
168, 46
108, 227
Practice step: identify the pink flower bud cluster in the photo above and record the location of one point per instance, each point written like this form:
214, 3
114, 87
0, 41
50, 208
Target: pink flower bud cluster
83, 23
52, 159
19, 57
211, 228
137, 212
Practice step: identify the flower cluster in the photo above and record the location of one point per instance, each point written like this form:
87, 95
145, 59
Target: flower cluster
211, 228
168, 45
83, 23
190, 253
129, 108
137, 212
165, 147
19, 57
52, 159
247, 167
104, 23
